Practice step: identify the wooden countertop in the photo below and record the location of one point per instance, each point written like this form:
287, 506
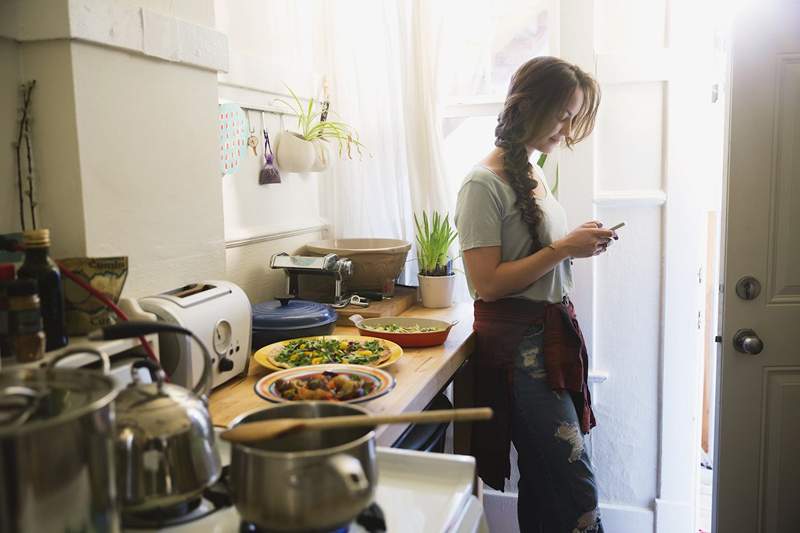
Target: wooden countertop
421, 373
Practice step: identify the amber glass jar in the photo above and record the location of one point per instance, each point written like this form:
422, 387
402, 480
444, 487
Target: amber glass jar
26, 338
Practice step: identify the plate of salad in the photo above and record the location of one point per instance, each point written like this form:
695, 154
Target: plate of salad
335, 383
407, 332
329, 349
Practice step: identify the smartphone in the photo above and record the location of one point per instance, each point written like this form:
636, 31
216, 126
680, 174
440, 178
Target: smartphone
615, 228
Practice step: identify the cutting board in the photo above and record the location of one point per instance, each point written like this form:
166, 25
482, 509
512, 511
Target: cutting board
404, 297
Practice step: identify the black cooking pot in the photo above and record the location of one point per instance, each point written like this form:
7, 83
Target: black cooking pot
289, 318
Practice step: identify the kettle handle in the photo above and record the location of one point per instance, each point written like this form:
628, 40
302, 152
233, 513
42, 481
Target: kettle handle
138, 328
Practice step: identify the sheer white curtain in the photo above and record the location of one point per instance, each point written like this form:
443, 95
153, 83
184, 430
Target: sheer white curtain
381, 62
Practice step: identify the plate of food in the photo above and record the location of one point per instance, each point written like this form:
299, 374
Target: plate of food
329, 349
407, 332
335, 383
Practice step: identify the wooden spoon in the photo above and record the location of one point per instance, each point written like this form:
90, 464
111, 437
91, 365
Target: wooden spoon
270, 429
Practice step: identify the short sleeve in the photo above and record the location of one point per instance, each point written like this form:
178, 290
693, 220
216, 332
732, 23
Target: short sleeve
479, 216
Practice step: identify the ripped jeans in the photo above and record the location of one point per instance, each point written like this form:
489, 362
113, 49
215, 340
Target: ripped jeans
557, 488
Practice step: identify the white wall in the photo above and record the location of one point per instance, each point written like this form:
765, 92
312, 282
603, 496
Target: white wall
148, 157
126, 141
9, 102
267, 49
56, 155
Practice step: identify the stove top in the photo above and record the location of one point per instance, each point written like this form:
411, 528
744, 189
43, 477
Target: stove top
214, 511
416, 492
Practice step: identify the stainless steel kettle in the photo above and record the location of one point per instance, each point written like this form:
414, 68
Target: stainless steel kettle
164, 448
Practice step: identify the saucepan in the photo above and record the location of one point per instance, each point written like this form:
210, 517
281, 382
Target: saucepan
304, 481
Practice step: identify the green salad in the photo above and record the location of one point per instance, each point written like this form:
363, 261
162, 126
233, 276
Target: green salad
303, 352
397, 328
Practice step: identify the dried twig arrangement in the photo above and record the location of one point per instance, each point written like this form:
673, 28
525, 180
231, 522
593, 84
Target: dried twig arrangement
25, 187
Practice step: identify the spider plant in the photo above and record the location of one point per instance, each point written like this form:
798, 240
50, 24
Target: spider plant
313, 125
434, 237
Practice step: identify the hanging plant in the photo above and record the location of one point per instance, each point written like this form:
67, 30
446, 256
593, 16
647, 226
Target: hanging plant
315, 126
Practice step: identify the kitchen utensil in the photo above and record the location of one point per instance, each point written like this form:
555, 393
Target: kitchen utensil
56, 463
286, 318
219, 313
164, 448
381, 382
314, 278
418, 339
231, 137
376, 262
265, 355
269, 172
306, 481
270, 429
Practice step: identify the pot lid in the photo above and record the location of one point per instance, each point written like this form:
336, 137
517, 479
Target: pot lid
289, 313
36, 398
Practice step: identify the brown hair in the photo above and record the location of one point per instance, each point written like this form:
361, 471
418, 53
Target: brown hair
539, 92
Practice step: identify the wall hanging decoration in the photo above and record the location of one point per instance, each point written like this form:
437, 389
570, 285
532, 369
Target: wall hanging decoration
232, 138
269, 173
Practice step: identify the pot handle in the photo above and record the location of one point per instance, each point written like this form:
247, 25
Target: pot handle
356, 319
75, 351
23, 400
350, 472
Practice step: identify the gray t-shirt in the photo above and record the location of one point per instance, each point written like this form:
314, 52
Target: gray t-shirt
486, 216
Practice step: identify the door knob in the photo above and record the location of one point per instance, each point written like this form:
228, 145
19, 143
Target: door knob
747, 341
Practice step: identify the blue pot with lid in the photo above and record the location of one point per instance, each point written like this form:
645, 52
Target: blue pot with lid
286, 317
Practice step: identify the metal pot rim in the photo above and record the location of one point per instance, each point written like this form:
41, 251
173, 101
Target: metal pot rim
307, 454
68, 373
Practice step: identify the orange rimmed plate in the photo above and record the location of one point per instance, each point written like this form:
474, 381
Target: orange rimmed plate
266, 356
382, 382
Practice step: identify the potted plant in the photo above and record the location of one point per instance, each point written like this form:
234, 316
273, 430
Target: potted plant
436, 277
309, 148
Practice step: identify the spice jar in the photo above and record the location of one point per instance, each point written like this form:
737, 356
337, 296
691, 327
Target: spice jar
38, 266
26, 337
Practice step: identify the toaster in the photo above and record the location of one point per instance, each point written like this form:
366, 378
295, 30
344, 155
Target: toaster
219, 313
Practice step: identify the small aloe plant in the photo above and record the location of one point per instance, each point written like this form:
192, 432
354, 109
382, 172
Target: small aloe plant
434, 237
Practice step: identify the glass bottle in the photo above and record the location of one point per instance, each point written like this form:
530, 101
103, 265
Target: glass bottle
39, 267
25, 321
6, 277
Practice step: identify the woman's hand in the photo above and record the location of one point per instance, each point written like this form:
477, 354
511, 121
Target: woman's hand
586, 240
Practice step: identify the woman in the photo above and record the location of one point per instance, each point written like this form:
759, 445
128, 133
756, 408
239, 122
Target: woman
530, 360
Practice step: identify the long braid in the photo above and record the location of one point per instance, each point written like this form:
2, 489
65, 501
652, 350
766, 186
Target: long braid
519, 172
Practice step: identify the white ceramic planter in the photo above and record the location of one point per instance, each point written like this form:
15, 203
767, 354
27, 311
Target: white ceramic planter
295, 154
322, 155
437, 291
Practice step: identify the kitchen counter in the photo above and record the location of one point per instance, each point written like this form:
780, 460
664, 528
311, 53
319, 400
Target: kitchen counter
421, 373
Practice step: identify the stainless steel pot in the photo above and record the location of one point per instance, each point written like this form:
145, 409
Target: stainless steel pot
56, 463
164, 446
305, 481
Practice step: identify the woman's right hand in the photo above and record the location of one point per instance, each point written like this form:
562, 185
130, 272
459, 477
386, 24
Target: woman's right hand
586, 240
